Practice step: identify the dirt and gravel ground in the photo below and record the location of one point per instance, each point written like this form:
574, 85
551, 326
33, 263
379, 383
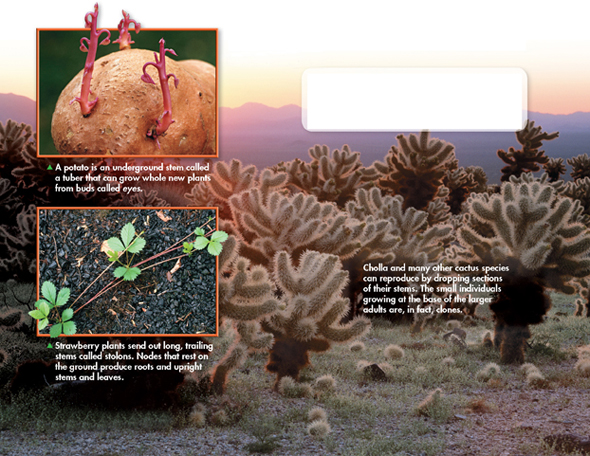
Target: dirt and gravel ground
162, 300
515, 426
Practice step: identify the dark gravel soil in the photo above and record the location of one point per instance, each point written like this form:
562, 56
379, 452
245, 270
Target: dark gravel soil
155, 302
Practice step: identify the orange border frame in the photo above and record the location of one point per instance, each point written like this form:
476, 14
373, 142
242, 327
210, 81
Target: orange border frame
216, 30
134, 208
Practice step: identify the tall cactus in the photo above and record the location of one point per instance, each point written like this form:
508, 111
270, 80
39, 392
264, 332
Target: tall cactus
294, 224
527, 159
554, 168
230, 179
419, 244
415, 169
538, 238
245, 297
311, 314
331, 176
580, 166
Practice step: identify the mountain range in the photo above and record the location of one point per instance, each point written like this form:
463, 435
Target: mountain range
264, 136
17, 108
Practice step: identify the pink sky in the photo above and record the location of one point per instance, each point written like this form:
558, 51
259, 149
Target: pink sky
265, 47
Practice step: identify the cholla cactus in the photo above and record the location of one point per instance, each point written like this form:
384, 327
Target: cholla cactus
294, 224
554, 168
479, 176
579, 190
330, 176
529, 157
583, 304
536, 236
414, 170
13, 136
580, 166
20, 242
418, 244
245, 297
229, 180
461, 183
313, 308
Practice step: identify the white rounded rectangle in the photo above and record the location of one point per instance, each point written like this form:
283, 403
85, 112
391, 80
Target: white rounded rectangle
396, 99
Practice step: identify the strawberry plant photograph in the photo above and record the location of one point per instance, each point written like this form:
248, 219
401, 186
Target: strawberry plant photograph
127, 271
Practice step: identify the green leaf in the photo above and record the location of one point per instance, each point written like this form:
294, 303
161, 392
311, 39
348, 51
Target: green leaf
113, 256
115, 244
131, 273
38, 303
69, 328
120, 272
214, 248
49, 292
199, 231
67, 315
201, 242
187, 247
219, 236
43, 323
127, 234
55, 330
44, 308
137, 245
62, 297
37, 314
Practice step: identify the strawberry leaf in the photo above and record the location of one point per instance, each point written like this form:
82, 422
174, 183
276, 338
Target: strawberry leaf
37, 314
201, 242
137, 245
120, 272
55, 330
219, 236
44, 308
187, 247
127, 234
199, 231
115, 244
113, 256
69, 328
49, 292
43, 323
214, 248
67, 315
38, 303
131, 273
62, 297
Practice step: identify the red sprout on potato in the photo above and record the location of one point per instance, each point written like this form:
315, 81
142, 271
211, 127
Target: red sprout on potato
90, 46
124, 39
165, 119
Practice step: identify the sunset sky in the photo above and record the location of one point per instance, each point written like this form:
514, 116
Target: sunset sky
265, 46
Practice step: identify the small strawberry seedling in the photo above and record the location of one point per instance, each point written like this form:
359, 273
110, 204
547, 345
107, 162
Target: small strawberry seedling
213, 244
187, 247
47, 308
129, 243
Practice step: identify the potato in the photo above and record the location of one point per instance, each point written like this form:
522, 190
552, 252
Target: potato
128, 108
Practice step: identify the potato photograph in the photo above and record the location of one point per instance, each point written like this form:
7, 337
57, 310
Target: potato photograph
157, 97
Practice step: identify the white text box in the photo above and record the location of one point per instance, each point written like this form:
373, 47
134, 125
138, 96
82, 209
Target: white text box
414, 99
